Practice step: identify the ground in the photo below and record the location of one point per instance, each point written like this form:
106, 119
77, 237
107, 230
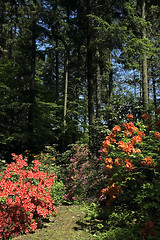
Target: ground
65, 226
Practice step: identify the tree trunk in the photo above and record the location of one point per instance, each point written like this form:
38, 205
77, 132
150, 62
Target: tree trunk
110, 77
32, 88
65, 99
98, 87
90, 77
65, 92
144, 63
57, 59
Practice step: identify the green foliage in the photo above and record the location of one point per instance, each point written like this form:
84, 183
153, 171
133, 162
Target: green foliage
118, 234
58, 191
51, 164
99, 131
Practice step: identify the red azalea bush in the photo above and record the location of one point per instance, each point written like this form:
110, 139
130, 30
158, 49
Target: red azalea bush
24, 197
133, 168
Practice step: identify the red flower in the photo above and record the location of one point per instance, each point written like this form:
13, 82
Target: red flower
23, 197
33, 226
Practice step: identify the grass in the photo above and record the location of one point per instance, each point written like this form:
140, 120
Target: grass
62, 227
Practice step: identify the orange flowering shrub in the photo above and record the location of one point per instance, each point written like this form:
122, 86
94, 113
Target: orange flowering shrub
131, 153
112, 192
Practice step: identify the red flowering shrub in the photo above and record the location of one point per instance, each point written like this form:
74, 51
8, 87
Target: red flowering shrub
24, 197
133, 163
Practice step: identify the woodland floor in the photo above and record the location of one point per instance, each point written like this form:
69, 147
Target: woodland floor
65, 226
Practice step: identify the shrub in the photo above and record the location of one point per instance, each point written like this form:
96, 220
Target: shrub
57, 192
24, 197
117, 234
132, 162
86, 176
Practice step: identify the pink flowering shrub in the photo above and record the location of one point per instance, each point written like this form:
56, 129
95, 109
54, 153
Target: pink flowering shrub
24, 197
86, 176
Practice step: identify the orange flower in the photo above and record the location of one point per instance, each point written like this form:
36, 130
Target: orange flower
129, 165
116, 129
112, 135
136, 139
109, 167
127, 133
126, 147
106, 143
136, 150
112, 191
157, 135
109, 163
147, 162
121, 145
141, 134
104, 150
130, 116
118, 162
129, 127
108, 160
104, 191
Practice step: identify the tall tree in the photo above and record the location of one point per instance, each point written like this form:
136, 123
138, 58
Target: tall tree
144, 60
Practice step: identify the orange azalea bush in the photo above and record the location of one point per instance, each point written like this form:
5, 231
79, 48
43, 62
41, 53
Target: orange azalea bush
131, 153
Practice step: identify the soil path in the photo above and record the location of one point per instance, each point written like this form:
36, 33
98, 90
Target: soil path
62, 227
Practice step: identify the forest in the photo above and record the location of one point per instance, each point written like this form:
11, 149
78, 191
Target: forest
70, 69
80, 86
